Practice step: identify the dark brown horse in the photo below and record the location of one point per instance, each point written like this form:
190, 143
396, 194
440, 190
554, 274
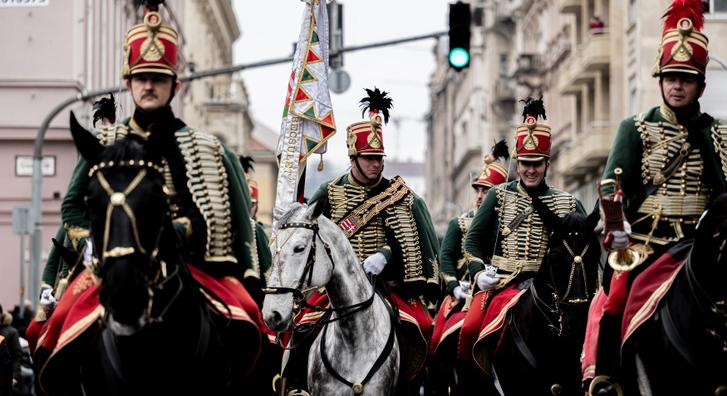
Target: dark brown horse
682, 348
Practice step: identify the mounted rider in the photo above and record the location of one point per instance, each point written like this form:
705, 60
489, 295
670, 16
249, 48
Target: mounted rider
444, 346
508, 237
204, 184
390, 230
454, 271
669, 164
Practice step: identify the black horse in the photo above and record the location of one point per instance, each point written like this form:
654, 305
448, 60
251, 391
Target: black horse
540, 347
159, 334
682, 348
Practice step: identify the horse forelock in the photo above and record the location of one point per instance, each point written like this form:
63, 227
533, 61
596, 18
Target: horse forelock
123, 150
294, 213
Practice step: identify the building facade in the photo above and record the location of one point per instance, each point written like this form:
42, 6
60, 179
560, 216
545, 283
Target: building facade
591, 60
62, 48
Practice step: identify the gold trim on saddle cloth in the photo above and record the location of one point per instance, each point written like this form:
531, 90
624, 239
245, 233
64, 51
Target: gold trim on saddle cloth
370, 208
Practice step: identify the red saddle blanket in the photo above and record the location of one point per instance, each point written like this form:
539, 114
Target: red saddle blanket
79, 307
494, 319
647, 290
448, 322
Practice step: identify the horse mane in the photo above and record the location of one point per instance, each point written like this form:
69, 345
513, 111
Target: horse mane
130, 148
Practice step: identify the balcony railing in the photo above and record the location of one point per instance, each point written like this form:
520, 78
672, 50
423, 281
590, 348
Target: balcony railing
504, 91
587, 152
569, 6
591, 56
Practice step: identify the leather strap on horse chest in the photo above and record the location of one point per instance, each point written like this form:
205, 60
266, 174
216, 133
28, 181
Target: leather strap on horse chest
351, 223
358, 388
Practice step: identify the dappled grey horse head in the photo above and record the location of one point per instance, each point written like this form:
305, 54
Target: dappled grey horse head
300, 264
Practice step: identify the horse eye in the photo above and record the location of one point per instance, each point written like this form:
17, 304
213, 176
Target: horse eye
299, 249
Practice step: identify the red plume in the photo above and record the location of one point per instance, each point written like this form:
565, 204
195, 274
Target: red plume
692, 9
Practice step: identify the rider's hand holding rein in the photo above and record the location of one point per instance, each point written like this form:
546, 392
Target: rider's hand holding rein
460, 293
47, 301
487, 279
375, 263
621, 238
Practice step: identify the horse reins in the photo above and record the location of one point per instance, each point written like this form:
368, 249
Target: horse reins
303, 286
358, 388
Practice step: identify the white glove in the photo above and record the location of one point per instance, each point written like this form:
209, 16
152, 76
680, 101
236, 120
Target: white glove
47, 301
488, 278
375, 263
88, 254
460, 293
621, 238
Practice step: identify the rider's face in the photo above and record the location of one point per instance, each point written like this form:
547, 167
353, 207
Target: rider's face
369, 167
532, 173
151, 91
480, 192
680, 89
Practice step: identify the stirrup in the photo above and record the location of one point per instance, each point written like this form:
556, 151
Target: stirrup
602, 381
297, 392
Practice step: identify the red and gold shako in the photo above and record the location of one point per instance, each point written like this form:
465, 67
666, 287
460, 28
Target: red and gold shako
492, 174
532, 136
493, 171
365, 137
683, 46
150, 47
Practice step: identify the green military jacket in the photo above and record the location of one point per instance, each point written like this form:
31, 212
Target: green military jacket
232, 245
645, 146
451, 253
403, 232
494, 238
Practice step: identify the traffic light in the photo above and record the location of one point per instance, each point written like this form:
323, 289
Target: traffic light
460, 19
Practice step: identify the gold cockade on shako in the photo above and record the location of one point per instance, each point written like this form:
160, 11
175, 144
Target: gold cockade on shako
531, 141
152, 49
683, 51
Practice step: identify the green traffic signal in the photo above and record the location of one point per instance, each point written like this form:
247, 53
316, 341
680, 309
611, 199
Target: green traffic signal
459, 57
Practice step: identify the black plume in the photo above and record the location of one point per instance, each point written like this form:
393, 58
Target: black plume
534, 107
152, 5
376, 100
500, 150
104, 108
247, 162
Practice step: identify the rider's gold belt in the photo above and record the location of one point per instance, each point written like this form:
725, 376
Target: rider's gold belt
675, 205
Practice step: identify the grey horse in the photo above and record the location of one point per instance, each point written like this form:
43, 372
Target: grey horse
311, 252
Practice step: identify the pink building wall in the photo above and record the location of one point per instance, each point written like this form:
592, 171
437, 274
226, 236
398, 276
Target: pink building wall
51, 53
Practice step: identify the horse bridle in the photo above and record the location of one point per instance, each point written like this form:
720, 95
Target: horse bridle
304, 286
118, 199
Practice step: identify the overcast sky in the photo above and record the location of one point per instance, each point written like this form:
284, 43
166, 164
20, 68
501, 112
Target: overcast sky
270, 27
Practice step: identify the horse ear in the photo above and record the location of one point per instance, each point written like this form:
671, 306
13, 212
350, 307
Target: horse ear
320, 207
86, 143
595, 216
66, 254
